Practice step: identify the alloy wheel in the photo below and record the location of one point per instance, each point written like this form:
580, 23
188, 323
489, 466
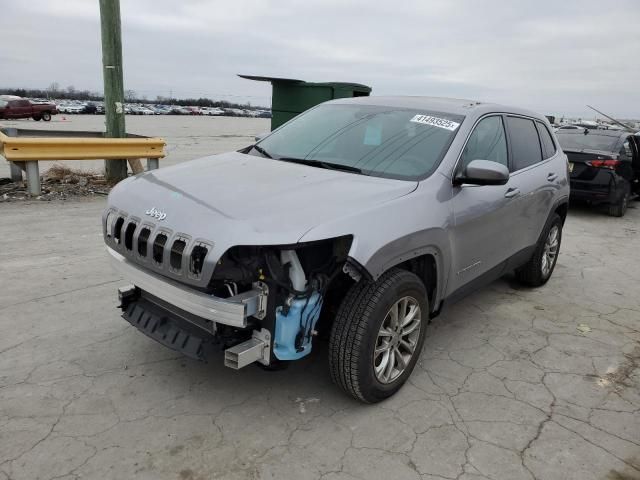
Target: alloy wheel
550, 251
397, 339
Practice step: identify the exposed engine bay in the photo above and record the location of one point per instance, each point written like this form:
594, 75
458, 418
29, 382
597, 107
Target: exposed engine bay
297, 278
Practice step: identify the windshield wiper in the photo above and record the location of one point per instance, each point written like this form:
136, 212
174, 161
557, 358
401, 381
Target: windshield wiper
262, 151
321, 164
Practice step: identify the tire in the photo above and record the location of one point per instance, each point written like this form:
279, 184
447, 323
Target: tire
37, 118
46, 116
620, 208
357, 333
536, 272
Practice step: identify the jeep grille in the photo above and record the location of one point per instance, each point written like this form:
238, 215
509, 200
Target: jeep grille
158, 248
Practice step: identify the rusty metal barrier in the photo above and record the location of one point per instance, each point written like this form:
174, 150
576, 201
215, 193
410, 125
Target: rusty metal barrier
24, 148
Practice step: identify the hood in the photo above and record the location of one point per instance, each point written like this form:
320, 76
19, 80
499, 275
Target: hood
238, 199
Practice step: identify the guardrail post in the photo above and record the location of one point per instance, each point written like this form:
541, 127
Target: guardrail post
153, 163
16, 171
15, 168
33, 178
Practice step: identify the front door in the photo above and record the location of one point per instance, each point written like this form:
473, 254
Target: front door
482, 237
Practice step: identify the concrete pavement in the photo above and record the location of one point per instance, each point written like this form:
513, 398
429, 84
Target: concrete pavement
513, 383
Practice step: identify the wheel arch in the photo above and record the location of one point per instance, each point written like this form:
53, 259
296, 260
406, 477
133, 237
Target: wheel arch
426, 262
425, 267
562, 208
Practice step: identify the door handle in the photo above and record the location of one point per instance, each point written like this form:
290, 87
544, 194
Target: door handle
552, 177
512, 192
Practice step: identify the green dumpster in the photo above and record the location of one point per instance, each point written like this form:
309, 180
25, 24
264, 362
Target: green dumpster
291, 97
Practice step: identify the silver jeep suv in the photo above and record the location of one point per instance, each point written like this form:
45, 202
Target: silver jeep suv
355, 222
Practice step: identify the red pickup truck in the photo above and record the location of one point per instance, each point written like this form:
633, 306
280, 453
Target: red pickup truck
22, 108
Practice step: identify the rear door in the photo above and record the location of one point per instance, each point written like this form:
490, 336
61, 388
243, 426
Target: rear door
536, 178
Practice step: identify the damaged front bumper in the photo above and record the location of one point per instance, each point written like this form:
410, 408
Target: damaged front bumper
233, 311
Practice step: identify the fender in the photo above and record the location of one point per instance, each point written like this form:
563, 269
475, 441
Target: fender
432, 242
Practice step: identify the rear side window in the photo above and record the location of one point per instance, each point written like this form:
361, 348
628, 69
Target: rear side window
525, 145
487, 142
548, 147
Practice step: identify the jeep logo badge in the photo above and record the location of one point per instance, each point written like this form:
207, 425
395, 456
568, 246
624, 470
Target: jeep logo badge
153, 212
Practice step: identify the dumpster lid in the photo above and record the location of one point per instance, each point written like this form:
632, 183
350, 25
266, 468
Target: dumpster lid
295, 80
270, 79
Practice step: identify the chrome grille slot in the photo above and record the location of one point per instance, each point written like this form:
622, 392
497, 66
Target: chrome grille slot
175, 256
128, 235
196, 260
111, 216
117, 230
143, 239
158, 247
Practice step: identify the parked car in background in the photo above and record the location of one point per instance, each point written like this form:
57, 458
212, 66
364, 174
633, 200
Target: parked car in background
161, 109
604, 166
212, 111
178, 110
568, 127
72, 108
366, 214
90, 108
140, 110
24, 108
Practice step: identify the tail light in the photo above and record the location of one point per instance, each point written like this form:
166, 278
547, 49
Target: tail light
609, 163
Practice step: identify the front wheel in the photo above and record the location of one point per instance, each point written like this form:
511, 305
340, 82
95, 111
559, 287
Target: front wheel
378, 334
46, 116
538, 269
37, 118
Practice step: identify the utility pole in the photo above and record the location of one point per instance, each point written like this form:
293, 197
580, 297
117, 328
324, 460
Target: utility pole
115, 170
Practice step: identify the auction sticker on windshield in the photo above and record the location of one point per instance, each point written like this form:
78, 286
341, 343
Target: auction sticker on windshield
435, 122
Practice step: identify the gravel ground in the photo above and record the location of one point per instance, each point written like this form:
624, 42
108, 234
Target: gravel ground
513, 383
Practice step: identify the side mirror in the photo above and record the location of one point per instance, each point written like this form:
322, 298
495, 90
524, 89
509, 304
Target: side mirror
261, 136
483, 172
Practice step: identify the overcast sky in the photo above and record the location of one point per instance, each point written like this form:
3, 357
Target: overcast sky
551, 56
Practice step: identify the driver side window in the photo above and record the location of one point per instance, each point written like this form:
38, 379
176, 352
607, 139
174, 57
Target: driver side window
487, 142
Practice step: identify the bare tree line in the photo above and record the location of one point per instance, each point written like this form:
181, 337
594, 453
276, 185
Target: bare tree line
55, 91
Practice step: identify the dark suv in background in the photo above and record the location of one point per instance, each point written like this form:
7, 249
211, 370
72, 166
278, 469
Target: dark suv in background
604, 166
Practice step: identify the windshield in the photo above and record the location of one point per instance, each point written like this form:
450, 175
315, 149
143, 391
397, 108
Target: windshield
374, 140
590, 141
3, 103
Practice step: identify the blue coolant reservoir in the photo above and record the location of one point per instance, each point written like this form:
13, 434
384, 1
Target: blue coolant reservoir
299, 321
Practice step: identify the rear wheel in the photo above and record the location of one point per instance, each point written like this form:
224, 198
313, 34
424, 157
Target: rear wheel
37, 118
46, 116
538, 269
378, 334
620, 208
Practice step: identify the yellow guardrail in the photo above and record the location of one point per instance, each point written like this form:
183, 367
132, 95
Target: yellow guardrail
24, 152
24, 149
